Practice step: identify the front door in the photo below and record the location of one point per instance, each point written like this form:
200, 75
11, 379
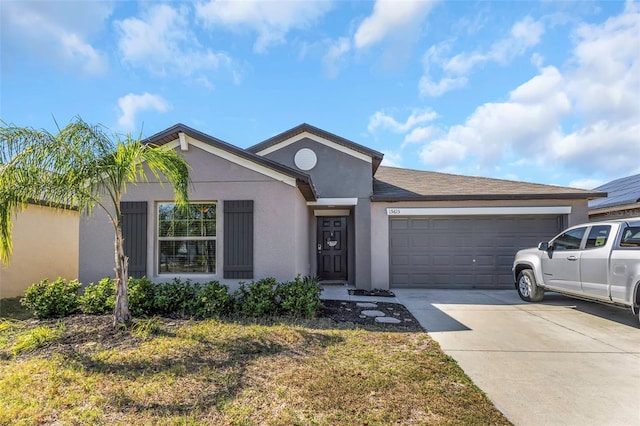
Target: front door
332, 248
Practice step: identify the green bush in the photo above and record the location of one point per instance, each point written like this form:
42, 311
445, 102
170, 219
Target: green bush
176, 298
213, 300
98, 298
300, 297
141, 296
258, 299
50, 300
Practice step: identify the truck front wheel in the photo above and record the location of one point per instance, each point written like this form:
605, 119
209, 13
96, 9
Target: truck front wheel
528, 288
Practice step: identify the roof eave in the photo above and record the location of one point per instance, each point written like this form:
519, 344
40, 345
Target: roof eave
484, 197
303, 181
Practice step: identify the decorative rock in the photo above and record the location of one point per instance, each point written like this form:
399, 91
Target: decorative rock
388, 320
362, 316
397, 314
373, 313
366, 305
347, 309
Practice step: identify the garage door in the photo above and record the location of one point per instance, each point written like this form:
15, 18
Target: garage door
462, 252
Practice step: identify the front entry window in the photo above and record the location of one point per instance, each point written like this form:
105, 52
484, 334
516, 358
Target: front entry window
187, 238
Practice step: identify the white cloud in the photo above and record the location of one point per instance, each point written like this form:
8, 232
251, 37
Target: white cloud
527, 123
335, 55
391, 159
586, 183
271, 20
391, 16
385, 121
59, 35
585, 119
162, 42
524, 34
420, 134
130, 105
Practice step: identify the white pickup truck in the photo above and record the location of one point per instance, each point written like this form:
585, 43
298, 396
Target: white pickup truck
597, 261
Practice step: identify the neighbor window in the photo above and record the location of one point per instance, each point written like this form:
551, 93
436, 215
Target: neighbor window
187, 238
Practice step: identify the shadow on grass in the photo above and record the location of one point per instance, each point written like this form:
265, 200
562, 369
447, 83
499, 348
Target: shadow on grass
196, 374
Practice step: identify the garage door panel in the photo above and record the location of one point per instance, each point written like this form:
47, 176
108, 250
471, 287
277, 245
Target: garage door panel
461, 252
400, 260
399, 224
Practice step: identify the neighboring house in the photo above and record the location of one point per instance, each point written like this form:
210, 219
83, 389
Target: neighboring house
309, 202
623, 200
45, 245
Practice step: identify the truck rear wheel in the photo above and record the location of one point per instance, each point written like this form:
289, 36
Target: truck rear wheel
528, 288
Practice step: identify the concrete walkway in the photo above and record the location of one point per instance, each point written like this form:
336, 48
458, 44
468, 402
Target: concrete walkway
559, 362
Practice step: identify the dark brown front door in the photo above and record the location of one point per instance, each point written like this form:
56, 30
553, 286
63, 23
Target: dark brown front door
332, 248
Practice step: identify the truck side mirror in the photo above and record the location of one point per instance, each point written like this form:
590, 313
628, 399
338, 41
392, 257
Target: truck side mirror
544, 246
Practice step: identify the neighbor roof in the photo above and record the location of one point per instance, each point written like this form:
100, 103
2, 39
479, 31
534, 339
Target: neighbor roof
376, 156
303, 180
395, 184
621, 192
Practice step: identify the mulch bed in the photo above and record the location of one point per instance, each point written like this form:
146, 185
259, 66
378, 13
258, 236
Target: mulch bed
87, 333
348, 312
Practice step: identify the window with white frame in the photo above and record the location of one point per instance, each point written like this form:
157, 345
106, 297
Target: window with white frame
187, 238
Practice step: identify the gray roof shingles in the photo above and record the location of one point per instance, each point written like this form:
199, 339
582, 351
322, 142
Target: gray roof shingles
396, 184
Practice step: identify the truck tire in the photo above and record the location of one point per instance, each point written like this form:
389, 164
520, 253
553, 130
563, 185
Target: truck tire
528, 288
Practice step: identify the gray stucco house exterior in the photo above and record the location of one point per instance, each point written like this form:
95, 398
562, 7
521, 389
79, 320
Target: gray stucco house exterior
310, 202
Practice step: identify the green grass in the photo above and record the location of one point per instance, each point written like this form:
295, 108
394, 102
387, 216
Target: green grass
238, 373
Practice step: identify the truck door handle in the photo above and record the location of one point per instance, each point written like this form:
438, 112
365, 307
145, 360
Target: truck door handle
572, 258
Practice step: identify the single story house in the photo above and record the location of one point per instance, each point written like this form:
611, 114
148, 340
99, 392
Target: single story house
45, 245
310, 202
622, 200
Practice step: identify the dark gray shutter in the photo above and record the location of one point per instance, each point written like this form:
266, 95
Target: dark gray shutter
238, 239
134, 231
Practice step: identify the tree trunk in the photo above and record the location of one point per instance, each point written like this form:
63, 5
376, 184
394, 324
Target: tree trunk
121, 313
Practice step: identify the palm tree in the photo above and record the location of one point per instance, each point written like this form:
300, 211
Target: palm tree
82, 167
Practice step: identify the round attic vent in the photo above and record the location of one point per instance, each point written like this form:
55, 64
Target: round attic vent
305, 159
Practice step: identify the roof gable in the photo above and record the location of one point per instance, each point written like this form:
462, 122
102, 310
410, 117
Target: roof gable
235, 154
321, 136
395, 184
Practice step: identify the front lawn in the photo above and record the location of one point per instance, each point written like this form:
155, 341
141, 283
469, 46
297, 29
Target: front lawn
79, 370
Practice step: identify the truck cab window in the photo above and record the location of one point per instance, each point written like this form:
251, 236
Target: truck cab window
570, 240
598, 236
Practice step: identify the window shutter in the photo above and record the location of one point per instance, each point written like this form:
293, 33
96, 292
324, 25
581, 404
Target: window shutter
134, 232
238, 239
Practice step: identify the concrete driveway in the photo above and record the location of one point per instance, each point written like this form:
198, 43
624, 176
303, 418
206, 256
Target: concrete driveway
559, 362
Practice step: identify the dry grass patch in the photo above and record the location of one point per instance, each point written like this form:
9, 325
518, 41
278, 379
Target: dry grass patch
217, 372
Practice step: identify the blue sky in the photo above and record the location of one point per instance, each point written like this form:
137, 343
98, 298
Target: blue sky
544, 92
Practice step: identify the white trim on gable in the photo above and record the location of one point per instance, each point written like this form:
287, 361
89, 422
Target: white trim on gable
236, 160
321, 140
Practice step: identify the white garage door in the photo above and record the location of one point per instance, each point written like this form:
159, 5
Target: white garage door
464, 251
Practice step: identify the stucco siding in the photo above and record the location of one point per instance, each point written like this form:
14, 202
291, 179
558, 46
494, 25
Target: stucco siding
380, 226
336, 173
276, 215
45, 245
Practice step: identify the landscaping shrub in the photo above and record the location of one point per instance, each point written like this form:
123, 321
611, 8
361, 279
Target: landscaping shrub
98, 298
176, 298
141, 296
213, 300
52, 299
300, 297
258, 299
